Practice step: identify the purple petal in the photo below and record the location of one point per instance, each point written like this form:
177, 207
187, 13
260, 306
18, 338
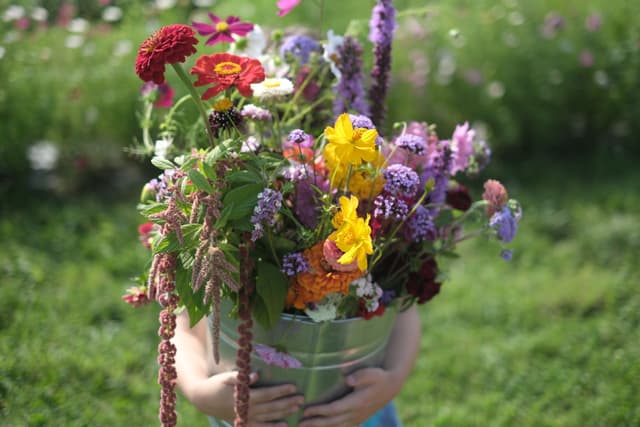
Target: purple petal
241, 28
214, 18
232, 19
203, 29
219, 38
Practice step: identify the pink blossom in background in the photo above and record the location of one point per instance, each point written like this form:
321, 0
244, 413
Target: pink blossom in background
66, 12
164, 91
586, 58
272, 356
22, 23
593, 22
286, 6
222, 30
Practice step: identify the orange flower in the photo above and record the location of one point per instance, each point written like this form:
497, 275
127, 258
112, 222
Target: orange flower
319, 281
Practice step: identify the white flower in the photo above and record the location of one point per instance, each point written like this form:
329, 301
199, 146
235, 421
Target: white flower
2, 51
40, 14
326, 310
331, 54
74, 41
203, 3
252, 45
122, 48
43, 155
112, 14
272, 87
78, 25
165, 4
251, 145
274, 66
162, 147
13, 13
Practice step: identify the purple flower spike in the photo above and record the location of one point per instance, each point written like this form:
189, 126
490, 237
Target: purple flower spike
381, 28
272, 356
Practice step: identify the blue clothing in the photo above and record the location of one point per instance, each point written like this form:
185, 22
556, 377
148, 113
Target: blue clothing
385, 417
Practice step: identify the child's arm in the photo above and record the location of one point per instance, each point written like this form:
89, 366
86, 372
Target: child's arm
213, 394
373, 388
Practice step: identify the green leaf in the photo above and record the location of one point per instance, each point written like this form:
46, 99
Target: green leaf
271, 285
193, 301
243, 177
243, 199
209, 172
200, 181
162, 163
282, 244
170, 243
445, 218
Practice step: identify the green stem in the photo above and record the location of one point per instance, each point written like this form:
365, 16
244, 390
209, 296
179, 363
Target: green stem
196, 98
273, 249
146, 126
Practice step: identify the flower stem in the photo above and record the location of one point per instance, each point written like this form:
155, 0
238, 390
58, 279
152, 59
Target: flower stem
196, 98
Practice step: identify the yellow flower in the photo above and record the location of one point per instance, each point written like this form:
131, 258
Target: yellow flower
349, 145
354, 239
347, 212
353, 234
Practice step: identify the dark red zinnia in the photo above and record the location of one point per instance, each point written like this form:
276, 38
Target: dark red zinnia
422, 284
458, 197
168, 45
225, 70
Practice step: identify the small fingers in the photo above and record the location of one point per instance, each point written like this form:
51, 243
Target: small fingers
276, 409
265, 394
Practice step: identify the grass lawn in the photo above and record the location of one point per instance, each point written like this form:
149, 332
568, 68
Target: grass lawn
550, 339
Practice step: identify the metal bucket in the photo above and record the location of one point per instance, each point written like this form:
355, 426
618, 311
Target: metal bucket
328, 351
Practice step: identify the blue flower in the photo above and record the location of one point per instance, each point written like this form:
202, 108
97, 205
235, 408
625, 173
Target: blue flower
505, 223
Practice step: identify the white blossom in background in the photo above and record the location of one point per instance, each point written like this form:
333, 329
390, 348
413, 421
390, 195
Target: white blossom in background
43, 155
78, 25
331, 54
2, 51
40, 14
165, 4
112, 14
13, 13
74, 41
122, 48
11, 37
203, 3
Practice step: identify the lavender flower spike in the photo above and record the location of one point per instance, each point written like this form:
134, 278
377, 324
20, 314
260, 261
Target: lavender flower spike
381, 28
350, 94
269, 203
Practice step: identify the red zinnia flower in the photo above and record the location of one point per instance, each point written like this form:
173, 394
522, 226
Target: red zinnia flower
168, 45
221, 30
225, 70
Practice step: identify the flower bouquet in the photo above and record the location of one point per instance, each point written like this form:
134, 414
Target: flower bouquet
283, 193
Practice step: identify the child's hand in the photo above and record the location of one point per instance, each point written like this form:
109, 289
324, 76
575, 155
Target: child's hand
373, 388
214, 396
